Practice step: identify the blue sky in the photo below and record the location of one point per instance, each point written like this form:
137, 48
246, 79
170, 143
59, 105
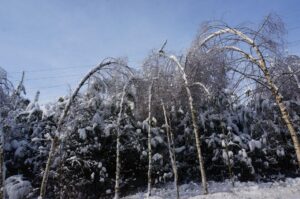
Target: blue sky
58, 41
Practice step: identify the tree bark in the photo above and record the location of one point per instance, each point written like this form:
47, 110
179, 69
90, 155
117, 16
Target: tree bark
117, 184
171, 149
149, 140
194, 122
118, 164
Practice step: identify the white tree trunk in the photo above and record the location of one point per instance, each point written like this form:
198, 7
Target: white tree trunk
118, 164
170, 139
117, 183
194, 122
149, 141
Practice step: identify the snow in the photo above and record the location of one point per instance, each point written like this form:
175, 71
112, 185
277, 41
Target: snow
156, 140
48, 110
108, 129
179, 149
144, 153
159, 139
82, 134
254, 144
288, 189
97, 119
20, 152
138, 131
16, 187
156, 157
280, 152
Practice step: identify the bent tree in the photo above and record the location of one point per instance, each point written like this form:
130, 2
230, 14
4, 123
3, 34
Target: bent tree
194, 119
56, 139
226, 37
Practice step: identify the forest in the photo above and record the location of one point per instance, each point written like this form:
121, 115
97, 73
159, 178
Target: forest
228, 109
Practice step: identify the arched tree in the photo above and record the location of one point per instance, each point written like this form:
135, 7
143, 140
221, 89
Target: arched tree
55, 141
193, 116
253, 46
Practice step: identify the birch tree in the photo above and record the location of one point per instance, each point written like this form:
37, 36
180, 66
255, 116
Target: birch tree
149, 139
151, 71
194, 119
234, 40
118, 132
55, 141
171, 149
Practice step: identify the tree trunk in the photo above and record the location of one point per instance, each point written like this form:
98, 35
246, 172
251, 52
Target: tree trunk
54, 143
278, 98
117, 184
118, 165
284, 115
149, 140
198, 144
194, 122
171, 149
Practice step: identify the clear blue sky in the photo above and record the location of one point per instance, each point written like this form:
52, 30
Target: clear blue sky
42, 36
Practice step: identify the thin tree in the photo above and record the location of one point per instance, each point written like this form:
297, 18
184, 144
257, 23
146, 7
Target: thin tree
149, 139
194, 119
55, 141
171, 149
118, 164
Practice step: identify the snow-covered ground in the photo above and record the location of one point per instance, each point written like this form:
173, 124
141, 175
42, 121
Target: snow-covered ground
288, 189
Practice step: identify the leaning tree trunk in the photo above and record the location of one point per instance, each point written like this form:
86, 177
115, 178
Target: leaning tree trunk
55, 141
171, 149
284, 115
149, 140
261, 63
118, 164
194, 122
